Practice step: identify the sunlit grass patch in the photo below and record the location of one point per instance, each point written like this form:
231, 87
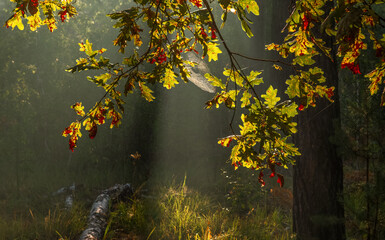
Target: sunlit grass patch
170, 212
177, 212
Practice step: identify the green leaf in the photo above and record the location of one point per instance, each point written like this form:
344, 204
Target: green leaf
129, 86
245, 99
252, 78
224, 18
317, 75
234, 76
293, 86
290, 110
100, 80
103, 78
295, 17
131, 61
304, 60
103, 62
203, 15
216, 82
77, 68
87, 48
246, 28
270, 97
224, 3
250, 6
230, 98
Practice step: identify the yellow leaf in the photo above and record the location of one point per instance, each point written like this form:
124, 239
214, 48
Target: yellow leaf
81, 61
137, 41
245, 99
146, 91
225, 142
51, 23
250, 6
169, 80
87, 48
115, 118
216, 82
78, 108
271, 97
88, 124
15, 21
103, 78
376, 77
34, 21
213, 51
277, 67
234, 76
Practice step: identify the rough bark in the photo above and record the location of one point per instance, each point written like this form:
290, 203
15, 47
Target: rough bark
97, 220
318, 177
318, 211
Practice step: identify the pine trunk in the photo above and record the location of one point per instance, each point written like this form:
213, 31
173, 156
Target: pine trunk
318, 211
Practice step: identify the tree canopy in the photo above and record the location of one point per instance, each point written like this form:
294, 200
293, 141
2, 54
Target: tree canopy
155, 37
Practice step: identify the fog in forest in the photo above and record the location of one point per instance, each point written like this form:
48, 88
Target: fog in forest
176, 137
162, 174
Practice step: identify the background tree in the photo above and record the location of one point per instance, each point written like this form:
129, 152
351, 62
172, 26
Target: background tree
318, 211
176, 27
360, 146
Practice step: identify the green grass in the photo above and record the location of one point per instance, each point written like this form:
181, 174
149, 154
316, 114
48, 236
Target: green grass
166, 212
49, 225
179, 213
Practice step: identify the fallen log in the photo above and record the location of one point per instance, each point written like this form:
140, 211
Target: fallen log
97, 220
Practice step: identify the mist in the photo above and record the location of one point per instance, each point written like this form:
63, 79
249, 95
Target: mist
175, 136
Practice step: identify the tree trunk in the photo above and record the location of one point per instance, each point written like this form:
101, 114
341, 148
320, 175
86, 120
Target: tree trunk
318, 211
99, 214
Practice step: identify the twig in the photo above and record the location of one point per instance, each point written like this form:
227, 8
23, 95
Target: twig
262, 59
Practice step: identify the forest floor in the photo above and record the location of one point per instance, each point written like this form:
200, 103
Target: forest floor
177, 211
164, 212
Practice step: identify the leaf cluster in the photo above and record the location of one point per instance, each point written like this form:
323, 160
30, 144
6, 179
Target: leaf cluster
173, 28
34, 10
349, 23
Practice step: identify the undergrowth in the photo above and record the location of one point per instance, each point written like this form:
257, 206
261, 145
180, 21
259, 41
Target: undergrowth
177, 212
49, 225
168, 212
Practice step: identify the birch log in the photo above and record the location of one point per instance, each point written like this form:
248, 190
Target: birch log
97, 220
